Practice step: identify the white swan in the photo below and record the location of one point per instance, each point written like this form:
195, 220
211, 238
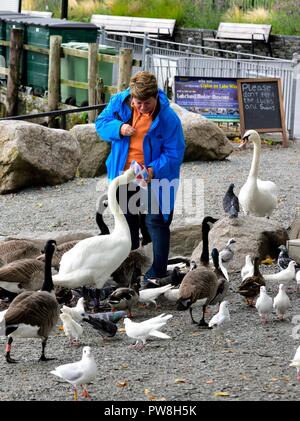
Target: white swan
257, 197
92, 260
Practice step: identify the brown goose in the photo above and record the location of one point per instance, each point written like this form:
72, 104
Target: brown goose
22, 275
60, 250
18, 249
32, 314
199, 284
250, 287
222, 276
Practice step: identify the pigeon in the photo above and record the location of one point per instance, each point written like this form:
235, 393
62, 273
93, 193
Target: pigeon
264, 304
141, 331
111, 316
296, 362
248, 268
72, 329
286, 275
79, 373
106, 328
281, 302
220, 321
227, 253
231, 203
77, 313
283, 258
149, 295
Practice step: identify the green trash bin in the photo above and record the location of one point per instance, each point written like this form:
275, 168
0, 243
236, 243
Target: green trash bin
5, 14
76, 68
37, 32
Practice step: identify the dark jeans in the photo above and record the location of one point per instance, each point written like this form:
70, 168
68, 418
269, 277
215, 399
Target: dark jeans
158, 228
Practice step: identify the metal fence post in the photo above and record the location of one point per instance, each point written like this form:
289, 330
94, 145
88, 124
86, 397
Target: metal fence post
238, 57
102, 36
147, 60
145, 44
296, 80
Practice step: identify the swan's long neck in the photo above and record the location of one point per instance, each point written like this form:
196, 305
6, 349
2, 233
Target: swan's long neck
255, 160
120, 220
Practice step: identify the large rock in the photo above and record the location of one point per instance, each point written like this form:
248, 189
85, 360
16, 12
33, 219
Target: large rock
94, 150
184, 240
254, 235
204, 139
31, 154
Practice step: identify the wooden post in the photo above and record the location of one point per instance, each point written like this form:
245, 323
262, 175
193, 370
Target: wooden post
54, 76
125, 68
100, 93
16, 44
92, 76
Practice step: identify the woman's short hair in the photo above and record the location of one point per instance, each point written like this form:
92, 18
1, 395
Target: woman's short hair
143, 85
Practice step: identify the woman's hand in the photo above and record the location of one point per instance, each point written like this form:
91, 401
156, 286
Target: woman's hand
127, 130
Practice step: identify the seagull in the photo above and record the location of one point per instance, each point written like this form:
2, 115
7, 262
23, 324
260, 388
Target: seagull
79, 373
77, 313
264, 304
227, 253
140, 331
248, 268
231, 203
281, 302
296, 362
286, 275
149, 295
72, 329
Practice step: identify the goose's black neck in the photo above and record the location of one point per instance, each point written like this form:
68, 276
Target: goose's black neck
256, 267
48, 282
204, 258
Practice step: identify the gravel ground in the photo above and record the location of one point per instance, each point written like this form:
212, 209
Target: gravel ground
191, 365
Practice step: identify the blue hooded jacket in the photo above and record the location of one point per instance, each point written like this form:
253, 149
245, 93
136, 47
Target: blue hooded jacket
163, 144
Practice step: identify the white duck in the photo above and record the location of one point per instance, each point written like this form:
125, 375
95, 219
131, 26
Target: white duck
281, 302
94, 259
257, 197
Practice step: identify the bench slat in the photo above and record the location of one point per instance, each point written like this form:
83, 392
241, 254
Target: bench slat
132, 24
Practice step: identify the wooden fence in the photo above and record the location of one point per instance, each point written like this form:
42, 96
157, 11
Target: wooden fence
94, 85
243, 4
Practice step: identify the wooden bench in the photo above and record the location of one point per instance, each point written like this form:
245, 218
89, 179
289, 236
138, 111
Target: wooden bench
242, 33
135, 25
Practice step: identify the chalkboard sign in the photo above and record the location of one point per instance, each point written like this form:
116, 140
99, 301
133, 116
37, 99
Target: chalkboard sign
261, 106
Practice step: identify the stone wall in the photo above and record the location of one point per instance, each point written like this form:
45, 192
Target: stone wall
283, 46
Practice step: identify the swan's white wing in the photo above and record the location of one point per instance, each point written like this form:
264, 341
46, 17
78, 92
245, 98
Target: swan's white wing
267, 186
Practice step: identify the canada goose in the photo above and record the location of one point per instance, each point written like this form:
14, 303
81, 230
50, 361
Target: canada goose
207, 223
93, 259
12, 250
257, 197
250, 286
222, 276
79, 373
231, 203
22, 275
197, 284
33, 314
264, 304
